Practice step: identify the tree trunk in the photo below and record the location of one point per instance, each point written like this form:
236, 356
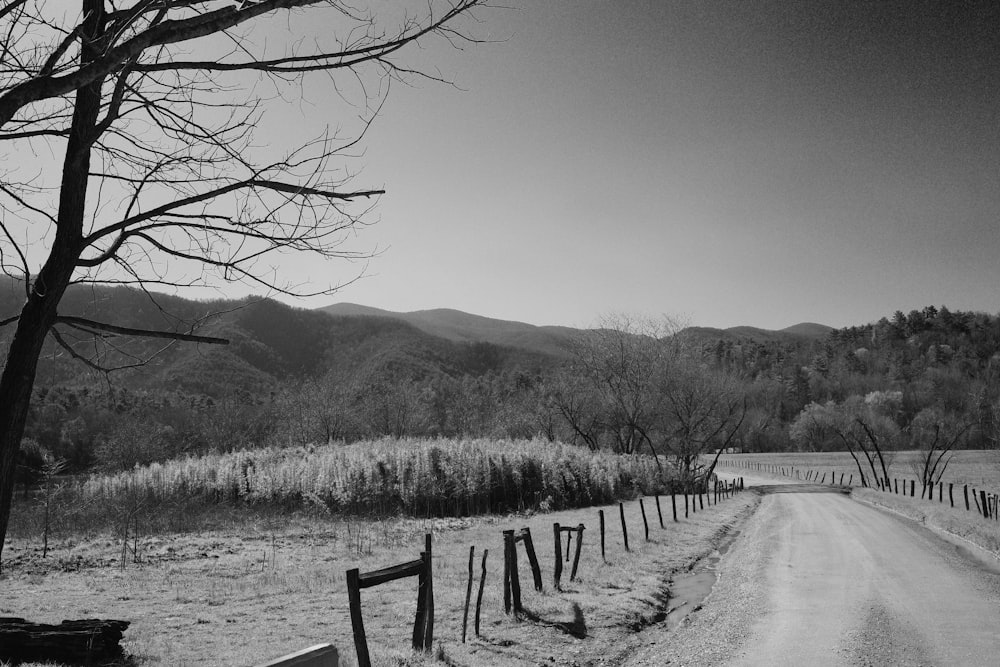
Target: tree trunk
40, 310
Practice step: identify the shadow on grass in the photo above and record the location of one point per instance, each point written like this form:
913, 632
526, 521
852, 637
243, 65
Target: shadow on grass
575, 628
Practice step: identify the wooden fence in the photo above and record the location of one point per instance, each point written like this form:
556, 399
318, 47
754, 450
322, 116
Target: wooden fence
423, 624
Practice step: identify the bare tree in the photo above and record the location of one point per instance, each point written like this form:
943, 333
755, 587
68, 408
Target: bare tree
865, 425
935, 434
620, 365
704, 412
151, 106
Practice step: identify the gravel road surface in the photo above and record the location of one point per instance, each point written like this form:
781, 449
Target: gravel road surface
816, 578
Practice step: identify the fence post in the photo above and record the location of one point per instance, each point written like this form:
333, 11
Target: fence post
701, 501
986, 508
965, 492
515, 581
659, 512
645, 524
482, 584
673, 503
468, 591
357, 622
429, 606
940, 492
600, 516
507, 599
951, 494
579, 546
913, 488
621, 510
557, 541
418, 621
685, 503
529, 548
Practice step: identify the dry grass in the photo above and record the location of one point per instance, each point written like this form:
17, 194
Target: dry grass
421, 478
968, 525
250, 592
979, 468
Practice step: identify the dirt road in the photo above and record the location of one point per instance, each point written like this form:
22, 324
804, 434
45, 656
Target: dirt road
821, 579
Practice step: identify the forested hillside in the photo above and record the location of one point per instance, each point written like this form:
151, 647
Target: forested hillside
292, 376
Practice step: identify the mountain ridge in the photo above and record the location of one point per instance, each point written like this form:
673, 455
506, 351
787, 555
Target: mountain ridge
459, 325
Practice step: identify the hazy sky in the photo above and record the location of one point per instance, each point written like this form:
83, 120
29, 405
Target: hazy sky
759, 163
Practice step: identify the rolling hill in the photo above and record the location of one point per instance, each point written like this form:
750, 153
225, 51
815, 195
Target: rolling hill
458, 326
271, 342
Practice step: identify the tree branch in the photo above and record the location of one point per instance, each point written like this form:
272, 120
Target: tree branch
94, 327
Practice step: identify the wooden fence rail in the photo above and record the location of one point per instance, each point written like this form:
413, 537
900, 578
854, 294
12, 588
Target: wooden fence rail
423, 624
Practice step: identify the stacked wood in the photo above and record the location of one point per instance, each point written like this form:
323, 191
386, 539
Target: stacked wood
84, 641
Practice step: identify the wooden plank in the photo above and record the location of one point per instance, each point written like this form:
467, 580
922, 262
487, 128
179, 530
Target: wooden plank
392, 573
321, 655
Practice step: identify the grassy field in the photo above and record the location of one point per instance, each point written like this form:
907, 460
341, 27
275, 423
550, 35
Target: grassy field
978, 468
263, 587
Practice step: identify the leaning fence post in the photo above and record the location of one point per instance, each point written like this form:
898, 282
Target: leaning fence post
468, 591
621, 510
557, 541
645, 524
986, 509
357, 622
482, 584
579, 546
659, 512
529, 548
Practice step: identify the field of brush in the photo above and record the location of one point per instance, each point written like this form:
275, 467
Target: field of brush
383, 478
239, 558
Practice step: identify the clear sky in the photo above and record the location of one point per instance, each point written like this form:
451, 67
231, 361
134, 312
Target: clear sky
757, 163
